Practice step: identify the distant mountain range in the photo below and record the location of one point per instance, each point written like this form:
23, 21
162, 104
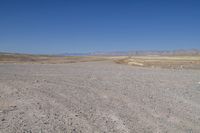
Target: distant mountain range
138, 53
124, 53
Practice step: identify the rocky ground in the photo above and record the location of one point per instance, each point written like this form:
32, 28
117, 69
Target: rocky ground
98, 97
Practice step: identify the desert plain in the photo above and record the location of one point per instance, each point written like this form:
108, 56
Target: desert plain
99, 95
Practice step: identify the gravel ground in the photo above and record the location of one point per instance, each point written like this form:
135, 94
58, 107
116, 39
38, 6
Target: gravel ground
98, 97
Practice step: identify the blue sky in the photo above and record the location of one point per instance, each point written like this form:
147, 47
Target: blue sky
59, 26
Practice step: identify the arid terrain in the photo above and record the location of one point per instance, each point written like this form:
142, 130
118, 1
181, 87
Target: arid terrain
46, 59
159, 61
98, 96
172, 62
100, 66
41, 93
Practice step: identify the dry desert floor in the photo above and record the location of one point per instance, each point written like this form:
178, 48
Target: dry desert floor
98, 97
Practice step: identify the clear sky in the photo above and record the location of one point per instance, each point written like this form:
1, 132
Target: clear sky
59, 26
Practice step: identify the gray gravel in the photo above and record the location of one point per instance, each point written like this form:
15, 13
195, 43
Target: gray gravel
98, 97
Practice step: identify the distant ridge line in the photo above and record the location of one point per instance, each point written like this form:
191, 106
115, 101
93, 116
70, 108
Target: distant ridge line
190, 52
139, 53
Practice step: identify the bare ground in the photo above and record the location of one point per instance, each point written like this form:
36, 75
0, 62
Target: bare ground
47, 59
172, 62
97, 97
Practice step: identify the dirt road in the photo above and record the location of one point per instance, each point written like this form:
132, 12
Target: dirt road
98, 97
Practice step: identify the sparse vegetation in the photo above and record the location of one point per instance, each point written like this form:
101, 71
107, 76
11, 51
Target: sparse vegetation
176, 62
23, 58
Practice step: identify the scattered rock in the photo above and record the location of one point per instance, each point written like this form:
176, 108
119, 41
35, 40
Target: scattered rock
138, 100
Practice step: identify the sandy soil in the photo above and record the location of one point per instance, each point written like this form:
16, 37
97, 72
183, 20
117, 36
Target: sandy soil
98, 97
172, 62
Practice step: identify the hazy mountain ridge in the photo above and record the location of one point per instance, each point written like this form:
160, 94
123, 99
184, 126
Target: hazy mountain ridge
129, 53
191, 52
152, 52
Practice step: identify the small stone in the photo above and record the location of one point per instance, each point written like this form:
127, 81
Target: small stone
151, 97
46, 123
3, 119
